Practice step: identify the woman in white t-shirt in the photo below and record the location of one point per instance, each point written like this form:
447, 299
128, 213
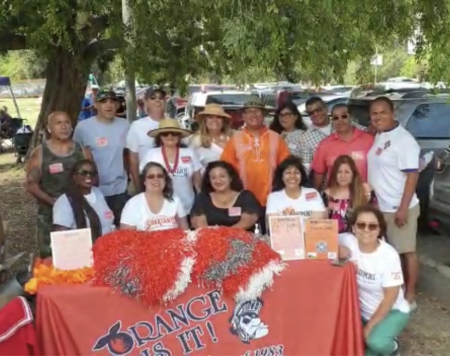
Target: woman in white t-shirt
83, 205
384, 309
180, 162
289, 196
157, 208
208, 142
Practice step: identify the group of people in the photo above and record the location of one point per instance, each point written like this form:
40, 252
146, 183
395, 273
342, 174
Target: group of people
335, 169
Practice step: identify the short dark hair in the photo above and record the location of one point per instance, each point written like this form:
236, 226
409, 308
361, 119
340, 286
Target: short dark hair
158, 142
314, 100
339, 105
236, 183
383, 99
290, 161
168, 188
353, 217
276, 125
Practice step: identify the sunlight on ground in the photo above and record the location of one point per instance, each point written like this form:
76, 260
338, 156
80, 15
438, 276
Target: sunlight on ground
29, 108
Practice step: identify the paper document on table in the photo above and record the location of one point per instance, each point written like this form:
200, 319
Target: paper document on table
286, 236
72, 249
321, 238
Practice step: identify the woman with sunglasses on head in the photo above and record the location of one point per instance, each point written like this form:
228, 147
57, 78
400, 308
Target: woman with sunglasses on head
345, 191
223, 200
157, 208
346, 140
83, 205
290, 196
289, 124
384, 309
180, 162
214, 132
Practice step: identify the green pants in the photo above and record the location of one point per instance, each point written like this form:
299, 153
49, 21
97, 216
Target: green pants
381, 339
44, 223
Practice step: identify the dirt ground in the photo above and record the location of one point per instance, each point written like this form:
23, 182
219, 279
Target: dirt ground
427, 334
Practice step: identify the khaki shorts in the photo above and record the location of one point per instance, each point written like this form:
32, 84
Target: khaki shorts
403, 239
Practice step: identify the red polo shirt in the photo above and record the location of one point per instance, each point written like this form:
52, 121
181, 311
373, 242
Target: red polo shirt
332, 147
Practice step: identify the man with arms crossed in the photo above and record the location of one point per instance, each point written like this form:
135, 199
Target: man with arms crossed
393, 171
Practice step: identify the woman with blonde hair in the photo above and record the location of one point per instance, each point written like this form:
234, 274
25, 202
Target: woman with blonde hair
214, 132
345, 191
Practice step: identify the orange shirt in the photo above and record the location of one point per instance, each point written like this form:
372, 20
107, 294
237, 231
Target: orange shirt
332, 147
255, 159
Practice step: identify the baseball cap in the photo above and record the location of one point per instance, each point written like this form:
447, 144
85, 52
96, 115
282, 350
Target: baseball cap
105, 93
153, 90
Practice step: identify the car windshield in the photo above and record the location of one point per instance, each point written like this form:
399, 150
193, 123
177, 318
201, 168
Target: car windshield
238, 99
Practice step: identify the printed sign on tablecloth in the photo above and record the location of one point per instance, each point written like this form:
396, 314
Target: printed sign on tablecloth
72, 249
286, 236
321, 238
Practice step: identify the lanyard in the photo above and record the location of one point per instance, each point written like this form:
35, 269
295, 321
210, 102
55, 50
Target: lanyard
171, 171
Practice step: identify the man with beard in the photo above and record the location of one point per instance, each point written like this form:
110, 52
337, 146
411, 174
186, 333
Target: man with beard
48, 172
105, 136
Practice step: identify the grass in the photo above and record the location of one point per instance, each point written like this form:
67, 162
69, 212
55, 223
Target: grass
29, 108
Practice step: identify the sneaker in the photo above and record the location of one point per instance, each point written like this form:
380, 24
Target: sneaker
413, 306
396, 351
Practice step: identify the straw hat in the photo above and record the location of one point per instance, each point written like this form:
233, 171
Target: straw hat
213, 109
169, 125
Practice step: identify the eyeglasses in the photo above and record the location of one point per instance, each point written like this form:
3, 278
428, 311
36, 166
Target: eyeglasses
154, 176
314, 111
87, 173
170, 133
286, 115
154, 97
337, 117
370, 226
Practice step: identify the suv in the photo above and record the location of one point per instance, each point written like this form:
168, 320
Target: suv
427, 117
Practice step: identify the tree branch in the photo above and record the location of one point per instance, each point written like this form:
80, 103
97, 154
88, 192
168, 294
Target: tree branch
10, 42
95, 26
96, 47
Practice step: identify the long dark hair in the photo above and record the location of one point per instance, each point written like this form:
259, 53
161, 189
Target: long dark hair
168, 188
80, 206
236, 183
290, 161
276, 125
158, 142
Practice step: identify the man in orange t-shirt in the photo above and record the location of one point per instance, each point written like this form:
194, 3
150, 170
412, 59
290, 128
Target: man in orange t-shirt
347, 140
255, 152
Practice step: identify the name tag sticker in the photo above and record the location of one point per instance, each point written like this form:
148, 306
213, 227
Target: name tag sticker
379, 151
186, 159
310, 195
56, 168
234, 211
109, 215
357, 155
102, 142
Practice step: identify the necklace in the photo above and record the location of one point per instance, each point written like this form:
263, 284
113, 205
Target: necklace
170, 170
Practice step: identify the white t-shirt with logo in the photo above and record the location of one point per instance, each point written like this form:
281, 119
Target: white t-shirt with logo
182, 178
375, 271
309, 201
63, 213
136, 213
392, 152
137, 139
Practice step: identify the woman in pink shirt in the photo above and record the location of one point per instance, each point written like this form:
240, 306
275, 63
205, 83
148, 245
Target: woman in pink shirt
346, 191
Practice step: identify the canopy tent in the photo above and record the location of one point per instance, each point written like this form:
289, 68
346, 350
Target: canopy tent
6, 82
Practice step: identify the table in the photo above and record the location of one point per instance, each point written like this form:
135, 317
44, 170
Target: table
312, 309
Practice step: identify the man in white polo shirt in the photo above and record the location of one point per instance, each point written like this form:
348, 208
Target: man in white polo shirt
393, 171
138, 142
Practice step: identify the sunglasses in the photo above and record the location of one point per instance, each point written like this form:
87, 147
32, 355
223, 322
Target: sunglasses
154, 97
314, 111
370, 226
337, 117
170, 133
154, 176
86, 173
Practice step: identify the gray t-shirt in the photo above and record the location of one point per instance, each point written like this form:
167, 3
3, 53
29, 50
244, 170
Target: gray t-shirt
106, 141
63, 213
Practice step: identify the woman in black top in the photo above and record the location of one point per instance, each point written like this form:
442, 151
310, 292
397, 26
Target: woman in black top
223, 200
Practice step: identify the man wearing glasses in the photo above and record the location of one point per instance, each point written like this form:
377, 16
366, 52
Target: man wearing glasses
346, 140
138, 142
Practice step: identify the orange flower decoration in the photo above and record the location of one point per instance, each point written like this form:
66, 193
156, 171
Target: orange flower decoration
45, 273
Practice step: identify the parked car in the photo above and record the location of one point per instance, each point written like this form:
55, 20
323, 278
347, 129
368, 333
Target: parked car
330, 101
232, 102
427, 117
439, 205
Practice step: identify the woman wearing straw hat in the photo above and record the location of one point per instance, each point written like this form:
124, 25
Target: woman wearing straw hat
214, 133
180, 162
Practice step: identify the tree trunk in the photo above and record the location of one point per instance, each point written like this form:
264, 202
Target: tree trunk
67, 77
